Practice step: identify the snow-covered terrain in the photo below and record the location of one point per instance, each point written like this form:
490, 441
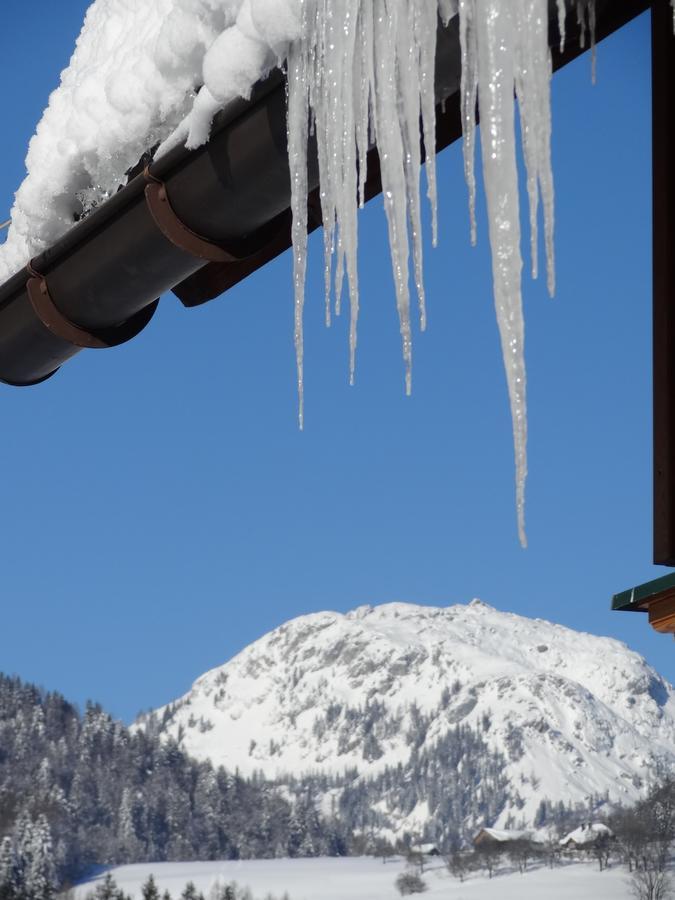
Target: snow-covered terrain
575, 715
369, 879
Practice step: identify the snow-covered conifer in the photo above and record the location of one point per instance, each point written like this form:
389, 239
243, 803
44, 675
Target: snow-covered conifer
40, 874
9, 875
189, 892
149, 890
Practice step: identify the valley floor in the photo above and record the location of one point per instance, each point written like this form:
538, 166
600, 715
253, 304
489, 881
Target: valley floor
365, 878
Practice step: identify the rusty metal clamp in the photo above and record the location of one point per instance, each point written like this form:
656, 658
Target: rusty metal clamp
61, 326
174, 229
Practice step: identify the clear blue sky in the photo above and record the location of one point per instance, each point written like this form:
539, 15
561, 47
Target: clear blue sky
161, 509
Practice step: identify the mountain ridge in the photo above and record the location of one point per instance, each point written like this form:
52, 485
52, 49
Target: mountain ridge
575, 716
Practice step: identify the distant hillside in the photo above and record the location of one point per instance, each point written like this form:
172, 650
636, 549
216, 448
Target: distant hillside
451, 717
82, 790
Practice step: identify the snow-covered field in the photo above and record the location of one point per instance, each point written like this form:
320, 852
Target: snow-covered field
370, 879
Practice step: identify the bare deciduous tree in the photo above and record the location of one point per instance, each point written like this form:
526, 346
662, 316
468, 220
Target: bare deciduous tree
650, 884
459, 864
489, 854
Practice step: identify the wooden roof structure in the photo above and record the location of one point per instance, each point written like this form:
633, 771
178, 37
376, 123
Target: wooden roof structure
657, 598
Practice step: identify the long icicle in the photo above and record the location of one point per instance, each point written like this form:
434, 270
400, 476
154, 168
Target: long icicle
533, 75
496, 33
298, 135
469, 95
390, 147
426, 30
367, 78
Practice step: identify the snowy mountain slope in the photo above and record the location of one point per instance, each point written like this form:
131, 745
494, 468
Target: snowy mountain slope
574, 715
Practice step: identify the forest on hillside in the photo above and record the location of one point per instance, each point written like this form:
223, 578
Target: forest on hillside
79, 789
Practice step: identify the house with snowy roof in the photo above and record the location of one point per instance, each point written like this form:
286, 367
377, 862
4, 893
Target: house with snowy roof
586, 835
428, 849
497, 836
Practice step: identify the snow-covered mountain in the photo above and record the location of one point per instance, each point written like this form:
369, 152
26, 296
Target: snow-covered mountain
574, 715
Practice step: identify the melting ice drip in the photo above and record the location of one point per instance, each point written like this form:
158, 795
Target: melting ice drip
365, 75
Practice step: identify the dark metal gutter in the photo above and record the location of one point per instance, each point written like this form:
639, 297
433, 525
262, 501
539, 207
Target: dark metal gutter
199, 223
107, 271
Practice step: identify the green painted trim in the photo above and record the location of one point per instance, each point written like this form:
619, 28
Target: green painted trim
632, 598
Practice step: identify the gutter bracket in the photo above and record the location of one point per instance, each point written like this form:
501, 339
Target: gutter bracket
175, 230
213, 279
55, 321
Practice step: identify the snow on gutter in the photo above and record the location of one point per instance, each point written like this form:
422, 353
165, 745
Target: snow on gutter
105, 273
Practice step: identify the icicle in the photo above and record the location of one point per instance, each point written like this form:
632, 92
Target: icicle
581, 22
533, 75
469, 88
370, 79
586, 22
319, 103
496, 40
447, 9
425, 38
409, 106
562, 14
366, 76
363, 83
591, 28
390, 148
347, 199
333, 42
298, 116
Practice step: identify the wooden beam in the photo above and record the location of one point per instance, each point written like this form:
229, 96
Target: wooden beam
663, 181
662, 614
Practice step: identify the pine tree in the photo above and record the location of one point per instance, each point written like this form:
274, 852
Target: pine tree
296, 832
23, 842
190, 892
40, 872
130, 848
107, 890
149, 890
8, 871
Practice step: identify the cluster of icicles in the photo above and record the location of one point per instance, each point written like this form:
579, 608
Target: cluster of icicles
363, 74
